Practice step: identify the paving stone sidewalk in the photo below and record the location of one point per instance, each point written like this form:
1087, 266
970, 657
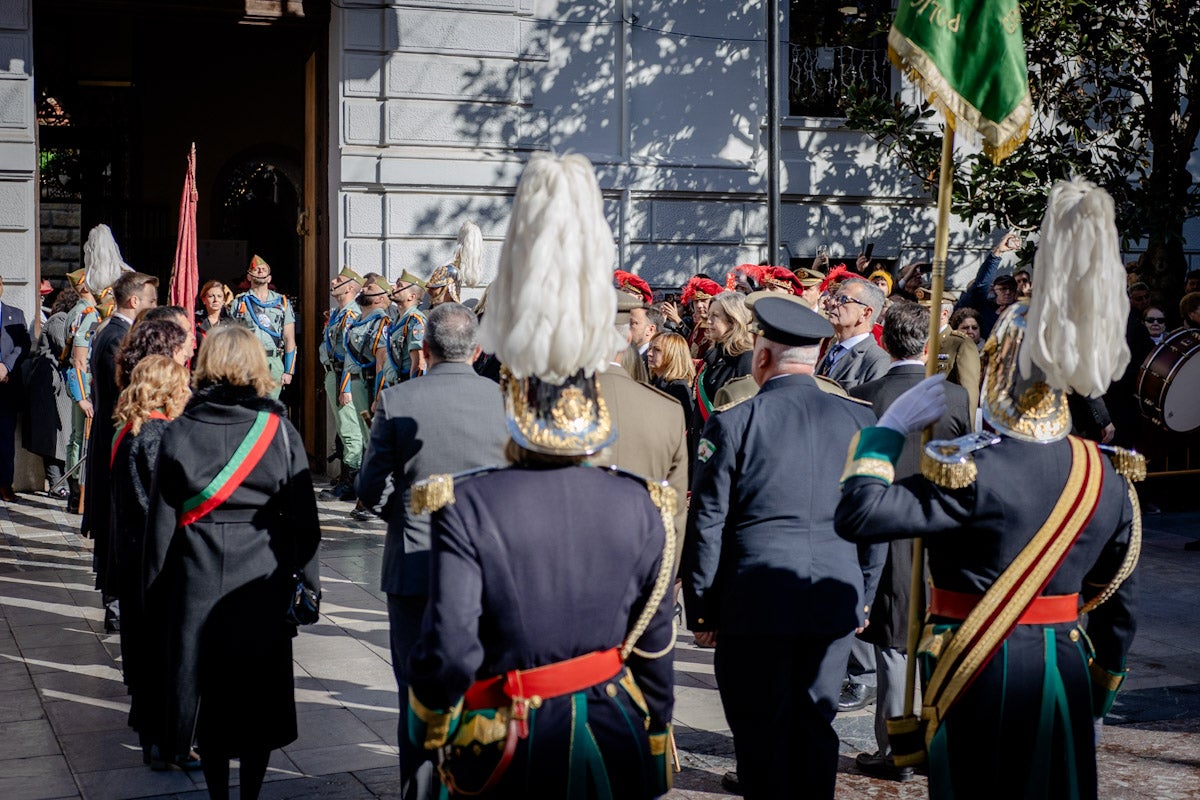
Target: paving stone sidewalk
63, 705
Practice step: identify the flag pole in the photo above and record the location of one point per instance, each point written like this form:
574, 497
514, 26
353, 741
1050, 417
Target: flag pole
916, 609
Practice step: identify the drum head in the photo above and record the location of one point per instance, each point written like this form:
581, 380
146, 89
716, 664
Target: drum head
1176, 363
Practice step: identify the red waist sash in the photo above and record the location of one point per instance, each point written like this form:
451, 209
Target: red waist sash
551, 680
1045, 609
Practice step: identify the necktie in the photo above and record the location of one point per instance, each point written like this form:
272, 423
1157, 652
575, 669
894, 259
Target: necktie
831, 358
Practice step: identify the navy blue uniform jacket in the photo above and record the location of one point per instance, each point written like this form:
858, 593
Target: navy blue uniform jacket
535, 566
761, 556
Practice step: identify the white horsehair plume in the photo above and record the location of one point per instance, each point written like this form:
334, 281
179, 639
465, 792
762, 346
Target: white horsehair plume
102, 260
1075, 326
470, 254
551, 308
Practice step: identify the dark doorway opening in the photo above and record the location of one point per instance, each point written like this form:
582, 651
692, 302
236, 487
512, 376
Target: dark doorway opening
126, 86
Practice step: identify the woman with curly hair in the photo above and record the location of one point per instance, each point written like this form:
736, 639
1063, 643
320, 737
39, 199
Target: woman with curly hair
156, 394
732, 349
158, 337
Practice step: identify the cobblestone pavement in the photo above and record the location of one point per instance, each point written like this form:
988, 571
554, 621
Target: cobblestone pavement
63, 706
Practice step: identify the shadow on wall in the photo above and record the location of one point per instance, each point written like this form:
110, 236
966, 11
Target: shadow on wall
669, 100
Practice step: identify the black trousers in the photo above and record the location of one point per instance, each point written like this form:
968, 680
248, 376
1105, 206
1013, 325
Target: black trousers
417, 781
780, 695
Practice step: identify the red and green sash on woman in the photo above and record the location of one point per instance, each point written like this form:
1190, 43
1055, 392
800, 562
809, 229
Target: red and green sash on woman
119, 435
243, 461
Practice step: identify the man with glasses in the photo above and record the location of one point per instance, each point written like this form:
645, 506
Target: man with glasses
853, 357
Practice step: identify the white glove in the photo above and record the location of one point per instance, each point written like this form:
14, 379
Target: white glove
920, 406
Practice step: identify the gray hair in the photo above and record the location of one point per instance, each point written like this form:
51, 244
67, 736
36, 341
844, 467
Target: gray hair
451, 332
870, 294
783, 354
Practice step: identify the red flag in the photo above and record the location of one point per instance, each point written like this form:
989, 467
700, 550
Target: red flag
185, 273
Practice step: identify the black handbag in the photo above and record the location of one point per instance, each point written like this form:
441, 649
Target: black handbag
305, 608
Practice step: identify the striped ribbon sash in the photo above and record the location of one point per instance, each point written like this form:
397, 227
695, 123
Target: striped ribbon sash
993, 619
243, 461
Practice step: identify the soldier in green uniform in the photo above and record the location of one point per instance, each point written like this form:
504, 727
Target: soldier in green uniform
344, 289
82, 319
269, 315
402, 358
364, 339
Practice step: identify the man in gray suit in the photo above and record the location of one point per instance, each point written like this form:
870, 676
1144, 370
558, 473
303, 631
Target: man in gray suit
853, 357
447, 421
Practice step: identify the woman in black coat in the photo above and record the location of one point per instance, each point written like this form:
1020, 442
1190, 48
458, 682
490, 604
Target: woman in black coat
221, 551
732, 350
672, 371
156, 394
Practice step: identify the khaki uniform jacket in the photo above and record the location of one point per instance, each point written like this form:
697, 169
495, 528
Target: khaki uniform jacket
958, 359
651, 440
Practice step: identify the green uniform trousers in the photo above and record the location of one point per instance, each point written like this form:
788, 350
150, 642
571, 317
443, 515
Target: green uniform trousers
348, 424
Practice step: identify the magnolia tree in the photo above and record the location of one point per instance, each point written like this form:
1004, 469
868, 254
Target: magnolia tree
1116, 95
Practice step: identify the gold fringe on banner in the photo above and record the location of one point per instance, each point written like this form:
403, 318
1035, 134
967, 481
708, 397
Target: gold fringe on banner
1000, 138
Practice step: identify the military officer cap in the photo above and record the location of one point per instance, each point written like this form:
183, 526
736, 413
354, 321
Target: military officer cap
626, 302
348, 274
258, 262
408, 279
76, 278
809, 277
790, 323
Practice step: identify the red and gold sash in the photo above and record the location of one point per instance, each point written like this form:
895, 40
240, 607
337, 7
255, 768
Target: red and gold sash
991, 621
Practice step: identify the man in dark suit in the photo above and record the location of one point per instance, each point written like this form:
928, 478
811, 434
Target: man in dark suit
132, 293
14, 347
447, 421
906, 339
854, 357
765, 578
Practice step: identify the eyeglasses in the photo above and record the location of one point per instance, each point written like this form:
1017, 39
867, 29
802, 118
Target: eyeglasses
1155, 320
843, 299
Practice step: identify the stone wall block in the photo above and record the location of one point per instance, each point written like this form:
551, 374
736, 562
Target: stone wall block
711, 221
430, 31
362, 75
364, 214
362, 120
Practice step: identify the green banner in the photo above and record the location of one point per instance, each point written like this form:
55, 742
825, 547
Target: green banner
968, 57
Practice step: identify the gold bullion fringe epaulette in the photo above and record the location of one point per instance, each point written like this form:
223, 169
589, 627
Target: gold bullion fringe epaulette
949, 463
1129, 463
663, 497
437, 491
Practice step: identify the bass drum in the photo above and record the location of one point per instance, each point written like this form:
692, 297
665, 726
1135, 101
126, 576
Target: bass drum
1168, 385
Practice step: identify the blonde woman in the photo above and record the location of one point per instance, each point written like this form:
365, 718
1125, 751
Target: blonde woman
672, 371
232, 519
156, 393
732, 349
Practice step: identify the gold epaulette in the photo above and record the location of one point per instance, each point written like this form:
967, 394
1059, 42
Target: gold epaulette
1128, 463
948, 463
437, 491
433, 493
